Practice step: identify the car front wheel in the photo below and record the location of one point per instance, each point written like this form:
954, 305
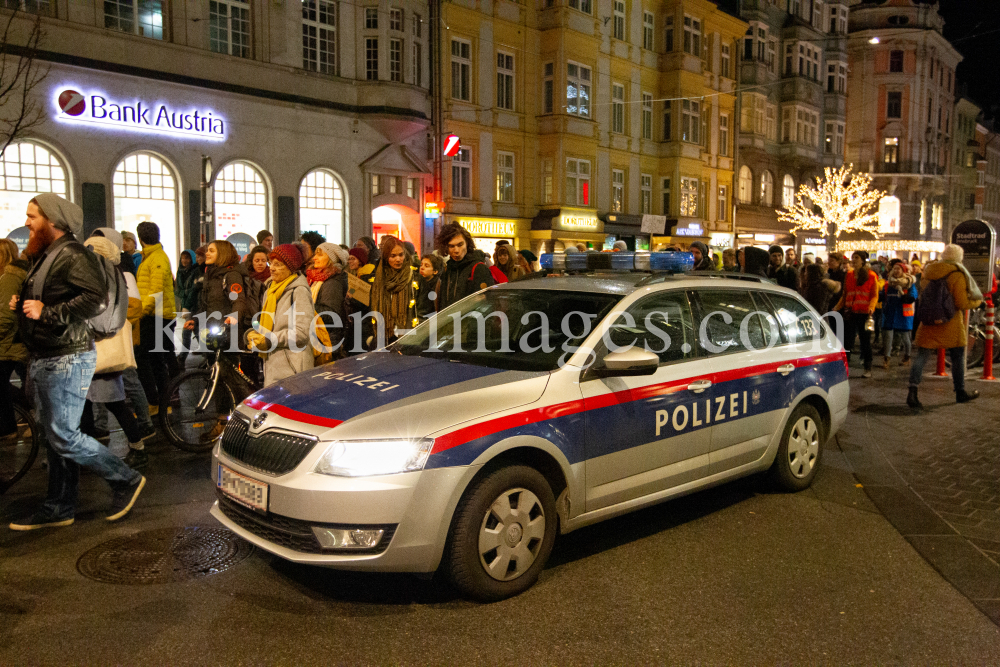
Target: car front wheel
799, 452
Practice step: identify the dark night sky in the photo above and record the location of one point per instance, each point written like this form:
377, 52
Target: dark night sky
973, 27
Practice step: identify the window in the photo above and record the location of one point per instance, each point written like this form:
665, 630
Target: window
828, 141
746, 184
665, 191
725, 60
417, 58
396, 60
617, 190
547, 88
118, 15
761, 43
145, 189
645, 323
319, 36
43, 7
771, 122
667, 121
797, 322
692, 36
321, 205
582, 5
461, 70
891, 153
647, 31
668, 35
371, 18
547, 181
646, 193
413, 188
788, 191
690, 122
577, 90
26, 169
371, 58
766, 188
647, 116
970, 159
723, 134
461, 174
505, 80
896, 61
937, 216
505, 177
376, 190
723, 212
240, 200
772, 54
229, 27
806, 125
618, 108
577, 182
730, 322
923, 217
894, 105
689, 197
786, 124
396, 19
808, 61
619, 20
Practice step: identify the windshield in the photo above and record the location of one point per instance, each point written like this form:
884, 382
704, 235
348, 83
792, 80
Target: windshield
526, 329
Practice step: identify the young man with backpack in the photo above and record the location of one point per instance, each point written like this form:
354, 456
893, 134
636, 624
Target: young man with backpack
947, 291
466, 271
65, 289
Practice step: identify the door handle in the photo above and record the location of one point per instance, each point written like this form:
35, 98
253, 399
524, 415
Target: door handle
700, 386
786, 369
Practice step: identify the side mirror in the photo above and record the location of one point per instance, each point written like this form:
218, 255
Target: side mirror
633, 361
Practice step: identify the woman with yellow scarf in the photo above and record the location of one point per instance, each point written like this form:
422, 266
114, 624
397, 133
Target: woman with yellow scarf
392, 290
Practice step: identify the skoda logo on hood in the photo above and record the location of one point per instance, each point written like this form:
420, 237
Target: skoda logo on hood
259, 420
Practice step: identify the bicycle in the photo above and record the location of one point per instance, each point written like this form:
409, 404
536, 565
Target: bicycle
19, 450
197, 404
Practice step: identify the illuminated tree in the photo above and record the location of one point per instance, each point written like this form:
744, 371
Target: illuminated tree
846, 201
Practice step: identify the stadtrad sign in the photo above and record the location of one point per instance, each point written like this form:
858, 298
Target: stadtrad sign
93, 108
978, 240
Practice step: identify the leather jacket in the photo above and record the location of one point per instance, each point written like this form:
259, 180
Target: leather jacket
74, 291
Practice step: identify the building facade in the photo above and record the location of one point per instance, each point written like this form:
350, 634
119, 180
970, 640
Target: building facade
589, 121
315, 115
987, 160
793, 73
964, 182
901, 106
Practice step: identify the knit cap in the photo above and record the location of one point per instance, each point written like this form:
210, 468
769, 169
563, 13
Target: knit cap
361, 254
336, 254
290, 255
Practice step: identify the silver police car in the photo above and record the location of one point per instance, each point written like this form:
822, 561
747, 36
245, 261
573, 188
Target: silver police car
528, 409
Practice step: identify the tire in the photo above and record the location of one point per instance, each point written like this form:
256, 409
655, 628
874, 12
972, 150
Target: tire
799, 453
190, 429
19, 451
492, 512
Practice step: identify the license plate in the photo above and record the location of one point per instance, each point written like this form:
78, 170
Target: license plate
242, 489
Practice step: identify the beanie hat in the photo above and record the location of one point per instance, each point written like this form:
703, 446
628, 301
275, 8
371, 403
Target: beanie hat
105, 248
528, 255
953, 253
62, 213
127, 236
336, 254
361, 254
775, 248
290, 255
110, 234
621, 245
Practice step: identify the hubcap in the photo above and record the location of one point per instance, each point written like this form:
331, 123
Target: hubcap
803, 447
511, 534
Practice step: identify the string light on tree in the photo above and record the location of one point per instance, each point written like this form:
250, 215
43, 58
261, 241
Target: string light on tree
846, 201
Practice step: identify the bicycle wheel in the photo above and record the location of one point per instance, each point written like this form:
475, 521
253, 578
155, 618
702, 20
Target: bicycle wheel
19, 449
189, 428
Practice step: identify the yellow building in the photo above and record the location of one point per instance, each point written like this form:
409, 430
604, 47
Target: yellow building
588, 121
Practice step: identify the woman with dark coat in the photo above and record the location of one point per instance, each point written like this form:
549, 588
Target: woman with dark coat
328, 283
224, 289
369, 245
816, 289
392, 288
754, 261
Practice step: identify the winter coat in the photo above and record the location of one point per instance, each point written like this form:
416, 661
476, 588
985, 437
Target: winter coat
897, 315
423, 306
954, 332
785, 275
155, 277
706, 263
332, 298
755, 261
819, 295
11, 347
187, 289
281, 361
464, 277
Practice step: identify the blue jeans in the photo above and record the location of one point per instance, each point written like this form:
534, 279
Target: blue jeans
957, 355
61, 385
904, 336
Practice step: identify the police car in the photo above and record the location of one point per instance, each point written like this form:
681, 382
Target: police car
532, 408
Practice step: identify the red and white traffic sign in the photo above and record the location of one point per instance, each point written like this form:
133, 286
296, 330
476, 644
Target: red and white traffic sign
451, 145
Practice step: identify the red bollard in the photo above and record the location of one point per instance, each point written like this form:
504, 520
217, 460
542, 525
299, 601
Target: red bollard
941, 372
990, 317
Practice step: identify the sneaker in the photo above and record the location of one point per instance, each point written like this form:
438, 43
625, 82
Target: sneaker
136, 458
905, 361
41, 519
867, 373
124, 499
885, 365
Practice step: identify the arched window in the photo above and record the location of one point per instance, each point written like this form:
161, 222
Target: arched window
27, 169
145, 190
888, 215
321, 205
788, 192
240, 200
766, 189
746, 184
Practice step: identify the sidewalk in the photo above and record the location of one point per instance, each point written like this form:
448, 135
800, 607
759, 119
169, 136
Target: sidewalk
935, 475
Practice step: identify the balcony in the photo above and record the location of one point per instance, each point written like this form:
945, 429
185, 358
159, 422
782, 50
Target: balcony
755, 73
801, 89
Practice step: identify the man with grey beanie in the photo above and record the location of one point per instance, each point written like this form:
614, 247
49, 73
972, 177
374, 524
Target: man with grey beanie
65, 288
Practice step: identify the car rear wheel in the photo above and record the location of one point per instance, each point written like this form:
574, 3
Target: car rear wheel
799, 452
502, 534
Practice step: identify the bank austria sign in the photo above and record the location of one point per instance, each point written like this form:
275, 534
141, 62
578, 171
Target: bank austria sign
76, 105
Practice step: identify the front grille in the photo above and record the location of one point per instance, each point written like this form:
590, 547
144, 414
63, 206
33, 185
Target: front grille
292, 534
270, 452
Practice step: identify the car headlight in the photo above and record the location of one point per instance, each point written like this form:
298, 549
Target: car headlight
363, 458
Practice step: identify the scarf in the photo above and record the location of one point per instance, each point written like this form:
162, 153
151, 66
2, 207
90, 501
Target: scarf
261, 276
314, 275
390, 296
274, 292
972, 289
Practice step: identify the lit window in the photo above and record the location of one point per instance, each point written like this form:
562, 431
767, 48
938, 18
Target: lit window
891, 153
505, 177
746, 185
618, 108
888, 215
766, 189
145, 189
646, 193
689, 197
321, 205
319, 36
229, 27
723, 212
577, 182
240, 200
577, 90
617, 190
788, 192
139, 17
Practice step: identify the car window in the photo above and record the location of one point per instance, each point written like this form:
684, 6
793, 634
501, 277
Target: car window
729, 321
798, 322
660, 323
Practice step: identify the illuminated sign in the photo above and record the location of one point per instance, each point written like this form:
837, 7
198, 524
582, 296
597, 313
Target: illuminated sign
764, 238
721, 240
92, 108
571, 220
452, 144
431, 211
693, 229
491, 228
814, 241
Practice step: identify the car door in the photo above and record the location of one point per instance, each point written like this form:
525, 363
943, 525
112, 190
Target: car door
647, 433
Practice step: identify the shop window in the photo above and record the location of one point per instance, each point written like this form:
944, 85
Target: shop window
229, 27
746, 184
321, 205
371, 58
505, 80
505, 176
145, 190
461, 70
646, 193
240, 200
139, 17
319, 36
577, 182
617, 190
577, 90
888, 215
27, 169
461, 174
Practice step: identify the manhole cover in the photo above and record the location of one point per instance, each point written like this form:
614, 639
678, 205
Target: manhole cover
164, 556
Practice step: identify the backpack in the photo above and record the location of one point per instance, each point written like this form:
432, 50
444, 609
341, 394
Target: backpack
936, 304
498, 275
111, 317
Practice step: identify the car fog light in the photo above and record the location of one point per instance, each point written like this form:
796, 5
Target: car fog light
347, 538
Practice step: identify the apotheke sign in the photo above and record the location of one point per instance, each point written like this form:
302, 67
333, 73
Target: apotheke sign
98, 108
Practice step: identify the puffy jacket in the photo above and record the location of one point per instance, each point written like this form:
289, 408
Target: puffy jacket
897, 315
464, 277
283, 362
74, 291
11, 347
954, 332
155, 277
819, 295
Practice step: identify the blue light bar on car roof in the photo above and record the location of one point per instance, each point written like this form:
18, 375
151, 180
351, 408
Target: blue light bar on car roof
674, 262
